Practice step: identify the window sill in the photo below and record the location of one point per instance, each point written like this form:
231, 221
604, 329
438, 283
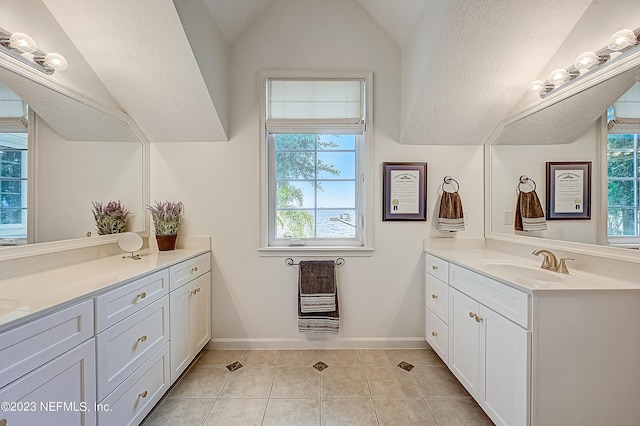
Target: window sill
316, 251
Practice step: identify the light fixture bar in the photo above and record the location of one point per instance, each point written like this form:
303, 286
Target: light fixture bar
621, 41
47, 63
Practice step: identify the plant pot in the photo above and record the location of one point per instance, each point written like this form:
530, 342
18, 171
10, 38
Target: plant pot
166, 242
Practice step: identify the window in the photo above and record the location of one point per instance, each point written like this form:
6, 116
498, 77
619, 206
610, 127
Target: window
315, 155
623, 181
13, 185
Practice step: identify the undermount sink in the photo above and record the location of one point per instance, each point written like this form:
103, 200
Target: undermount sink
523, 271
7, 306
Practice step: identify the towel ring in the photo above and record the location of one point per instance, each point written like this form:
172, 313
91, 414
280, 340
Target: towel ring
448, 180
524, 179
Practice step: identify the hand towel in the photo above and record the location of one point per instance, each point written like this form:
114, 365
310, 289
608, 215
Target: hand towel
529, 213
451, 217
318, 310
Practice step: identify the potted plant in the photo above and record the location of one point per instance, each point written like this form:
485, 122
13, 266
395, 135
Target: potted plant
166, 216
111, 218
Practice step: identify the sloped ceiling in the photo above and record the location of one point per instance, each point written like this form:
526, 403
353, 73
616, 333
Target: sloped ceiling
466, 64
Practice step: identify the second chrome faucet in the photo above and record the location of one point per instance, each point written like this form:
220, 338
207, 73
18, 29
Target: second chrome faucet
550, 261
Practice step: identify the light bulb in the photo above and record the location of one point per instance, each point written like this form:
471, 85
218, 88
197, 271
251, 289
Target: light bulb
55, 61
559, 76
621, 40
536, 85
586, 60
21, 42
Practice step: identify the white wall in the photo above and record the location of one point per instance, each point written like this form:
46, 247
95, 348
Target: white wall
509, 162
254, 297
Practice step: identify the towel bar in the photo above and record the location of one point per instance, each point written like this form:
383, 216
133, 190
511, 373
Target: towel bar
289, 262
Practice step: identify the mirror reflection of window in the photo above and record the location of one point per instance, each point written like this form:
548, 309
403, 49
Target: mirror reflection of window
623, 169
13, 167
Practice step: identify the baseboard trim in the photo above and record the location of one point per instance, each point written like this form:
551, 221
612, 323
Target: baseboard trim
319, 343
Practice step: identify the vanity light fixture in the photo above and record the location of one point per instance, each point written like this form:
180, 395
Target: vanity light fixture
23, 48
619, 42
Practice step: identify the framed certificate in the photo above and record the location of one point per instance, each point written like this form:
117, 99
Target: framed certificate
569, 190
404, 191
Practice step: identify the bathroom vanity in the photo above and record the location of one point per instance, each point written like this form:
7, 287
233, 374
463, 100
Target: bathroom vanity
535, 347
100, 342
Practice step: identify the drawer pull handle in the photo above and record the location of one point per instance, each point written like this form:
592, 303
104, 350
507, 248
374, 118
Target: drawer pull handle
143, 394
3, 422
142, 295
434, 267
194, 269
434, 296
142, 339
434, 334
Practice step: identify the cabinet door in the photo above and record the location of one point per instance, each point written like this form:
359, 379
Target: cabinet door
464, 340
61, 392
179, 326
504, 369
200, 313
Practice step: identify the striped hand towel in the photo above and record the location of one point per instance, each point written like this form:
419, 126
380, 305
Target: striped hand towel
529, 213
318, 311
450, 217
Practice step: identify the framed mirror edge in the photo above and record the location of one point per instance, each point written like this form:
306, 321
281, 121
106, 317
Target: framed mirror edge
35, 249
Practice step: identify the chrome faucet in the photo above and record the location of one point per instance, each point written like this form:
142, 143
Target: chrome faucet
550, 260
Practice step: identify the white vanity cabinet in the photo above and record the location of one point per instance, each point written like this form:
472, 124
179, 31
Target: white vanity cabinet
190, 305
47, 373
133, 329
488, 343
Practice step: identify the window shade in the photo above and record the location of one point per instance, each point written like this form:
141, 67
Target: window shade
330, 101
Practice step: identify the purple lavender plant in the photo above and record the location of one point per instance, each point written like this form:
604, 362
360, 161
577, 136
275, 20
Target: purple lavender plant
166, 216
111, 218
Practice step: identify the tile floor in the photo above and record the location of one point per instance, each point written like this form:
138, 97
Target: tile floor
282, 387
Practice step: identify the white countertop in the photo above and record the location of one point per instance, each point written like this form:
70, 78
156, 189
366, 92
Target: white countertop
36, 294
481, 260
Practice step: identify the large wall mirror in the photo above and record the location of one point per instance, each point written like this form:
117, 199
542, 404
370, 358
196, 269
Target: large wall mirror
77, 152
568, 126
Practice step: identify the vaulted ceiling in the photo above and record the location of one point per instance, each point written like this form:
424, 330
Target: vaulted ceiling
465, 64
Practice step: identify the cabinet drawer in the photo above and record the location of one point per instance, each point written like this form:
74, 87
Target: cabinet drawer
438, 268
438, 297
507, 301
124, 347
27, 347
186, 271
130, 402
438, 335
118, 304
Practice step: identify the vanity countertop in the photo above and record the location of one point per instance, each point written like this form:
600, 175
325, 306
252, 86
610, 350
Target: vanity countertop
32, 295
488, 262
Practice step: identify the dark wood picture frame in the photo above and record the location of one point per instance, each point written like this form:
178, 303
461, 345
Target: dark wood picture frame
404, 191
568, 190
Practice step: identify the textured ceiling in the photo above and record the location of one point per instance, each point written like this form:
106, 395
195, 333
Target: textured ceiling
468, 61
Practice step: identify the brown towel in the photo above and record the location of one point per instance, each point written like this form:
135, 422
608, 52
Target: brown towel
318, 298
451, 217
529, 213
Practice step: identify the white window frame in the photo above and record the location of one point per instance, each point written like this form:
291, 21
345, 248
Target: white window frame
362, 246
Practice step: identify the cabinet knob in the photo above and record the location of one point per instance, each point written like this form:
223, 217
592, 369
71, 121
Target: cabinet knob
434, 267
142, 339
434, 296
434, 334
478, 318
142, 295
194, 269
197, 290
3, 422
143, 394
472, 315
